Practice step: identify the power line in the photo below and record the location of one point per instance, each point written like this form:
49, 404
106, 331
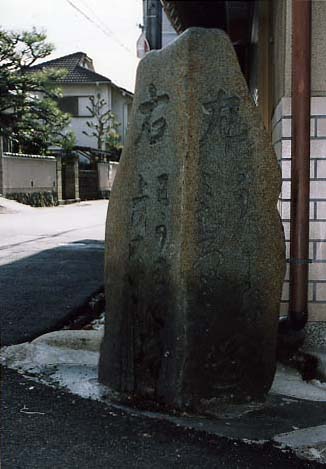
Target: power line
99, 20
105, 30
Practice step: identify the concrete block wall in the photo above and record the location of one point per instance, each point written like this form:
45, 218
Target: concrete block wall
112, 172
103, 171
70, 180
106, 174
281, 137
28, 173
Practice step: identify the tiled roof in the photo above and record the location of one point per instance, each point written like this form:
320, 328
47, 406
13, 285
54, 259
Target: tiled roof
76, 72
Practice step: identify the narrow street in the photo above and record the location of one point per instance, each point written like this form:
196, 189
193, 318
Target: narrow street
26, 230
51, 261
43, 427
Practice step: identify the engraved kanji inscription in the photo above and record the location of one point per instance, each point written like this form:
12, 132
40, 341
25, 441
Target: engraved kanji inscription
161, 233
142, 186
154, 124
138, 218
222, 114
162, 189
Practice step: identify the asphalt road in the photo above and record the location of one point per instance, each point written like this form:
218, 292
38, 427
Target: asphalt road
51, 261
47, 428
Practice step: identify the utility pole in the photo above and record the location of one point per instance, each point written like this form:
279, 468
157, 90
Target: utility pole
153, 23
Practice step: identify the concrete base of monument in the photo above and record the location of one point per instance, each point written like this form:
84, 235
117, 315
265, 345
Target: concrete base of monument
293, 409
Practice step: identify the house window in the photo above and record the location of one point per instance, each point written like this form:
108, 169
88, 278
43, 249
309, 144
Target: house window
69, 104
84, 106
77, 106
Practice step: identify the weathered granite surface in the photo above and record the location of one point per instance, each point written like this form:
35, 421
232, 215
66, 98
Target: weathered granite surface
195, 250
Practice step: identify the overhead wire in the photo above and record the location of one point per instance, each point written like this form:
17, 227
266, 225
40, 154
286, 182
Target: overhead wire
97, 23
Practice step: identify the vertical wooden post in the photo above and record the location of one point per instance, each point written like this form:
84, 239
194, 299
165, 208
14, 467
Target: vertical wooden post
76, 178
59, 179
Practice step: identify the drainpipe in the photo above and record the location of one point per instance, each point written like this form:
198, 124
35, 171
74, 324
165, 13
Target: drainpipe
300, 166
153, 23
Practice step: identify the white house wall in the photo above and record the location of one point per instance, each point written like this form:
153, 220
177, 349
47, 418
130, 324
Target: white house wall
78, 124
118, 103
121, 108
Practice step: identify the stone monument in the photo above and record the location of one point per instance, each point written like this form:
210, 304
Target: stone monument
195, 254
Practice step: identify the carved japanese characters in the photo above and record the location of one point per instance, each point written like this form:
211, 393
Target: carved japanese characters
195, 248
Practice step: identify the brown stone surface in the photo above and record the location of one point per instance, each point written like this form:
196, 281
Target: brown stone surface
195, 251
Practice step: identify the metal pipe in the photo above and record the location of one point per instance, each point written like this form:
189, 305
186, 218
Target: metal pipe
300, 165
153, 23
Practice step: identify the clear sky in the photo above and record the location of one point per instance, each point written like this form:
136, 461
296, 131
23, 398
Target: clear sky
108, 35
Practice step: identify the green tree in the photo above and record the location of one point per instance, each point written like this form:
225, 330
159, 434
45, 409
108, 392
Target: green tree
104, 126
29, 113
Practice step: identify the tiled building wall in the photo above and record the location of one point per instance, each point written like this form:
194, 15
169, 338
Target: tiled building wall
317, 240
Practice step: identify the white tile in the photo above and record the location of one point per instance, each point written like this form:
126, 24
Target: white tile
277, 132
277, 113
285, 291
286, 169
318, 148
321, 210
312, 127
318, 189
285, 210
321, 292
321, 169
317, 271
312, 210
278, 150
286, 148
284, 307
321, 127
317, 230
287, 272
317, 312
286, 127
312, 168
286, 226
318, 105
286, 190
321, 251
286, 106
